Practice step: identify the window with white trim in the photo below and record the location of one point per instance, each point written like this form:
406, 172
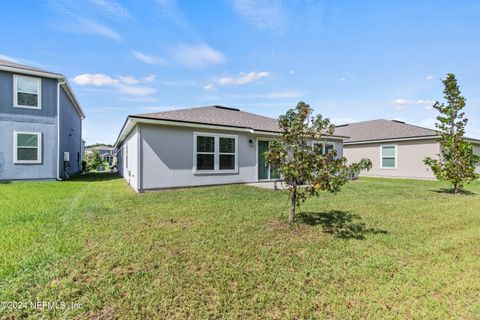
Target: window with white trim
215, 153
27, 147
27, 92
389, 157
322, 148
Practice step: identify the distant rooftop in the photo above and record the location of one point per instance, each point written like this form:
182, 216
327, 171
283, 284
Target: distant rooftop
382, 129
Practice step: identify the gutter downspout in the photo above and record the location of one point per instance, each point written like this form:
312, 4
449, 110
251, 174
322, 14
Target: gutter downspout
59, 83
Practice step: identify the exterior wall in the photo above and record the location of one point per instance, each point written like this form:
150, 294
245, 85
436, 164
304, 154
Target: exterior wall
70, 134
129, 169
166, 158
14, 171
49, 97
410, 155
19, 119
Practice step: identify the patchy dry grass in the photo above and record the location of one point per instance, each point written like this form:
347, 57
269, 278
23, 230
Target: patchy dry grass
379, 249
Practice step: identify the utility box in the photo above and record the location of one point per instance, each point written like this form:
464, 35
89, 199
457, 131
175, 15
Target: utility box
66, 156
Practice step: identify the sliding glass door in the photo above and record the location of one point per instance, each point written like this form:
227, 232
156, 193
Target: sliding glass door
265, 171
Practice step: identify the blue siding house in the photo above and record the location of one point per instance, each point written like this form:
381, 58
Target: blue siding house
40, 124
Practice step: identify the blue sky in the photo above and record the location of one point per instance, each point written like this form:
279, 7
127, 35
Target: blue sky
351, 60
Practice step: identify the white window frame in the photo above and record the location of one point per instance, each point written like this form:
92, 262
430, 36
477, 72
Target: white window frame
39, 148
216, 153
15, 93
324, 144
382, 157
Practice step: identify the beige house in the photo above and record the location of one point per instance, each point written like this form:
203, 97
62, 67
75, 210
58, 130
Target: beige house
395, 148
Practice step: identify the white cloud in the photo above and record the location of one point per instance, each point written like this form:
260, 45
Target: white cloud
149, 59
97, 79
128, 80
149, 78
262, 14
292, 72
125, 84
196, 56
12, 59
209, 87
401, 104
429, 77
93, 27
425, 102
243, 78
112, 8
136, 90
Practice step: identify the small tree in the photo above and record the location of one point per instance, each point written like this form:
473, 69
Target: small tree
94, 160
456, 161
306, 170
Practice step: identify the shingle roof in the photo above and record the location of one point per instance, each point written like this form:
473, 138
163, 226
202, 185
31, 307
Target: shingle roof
217, 115
382, 129
7, 63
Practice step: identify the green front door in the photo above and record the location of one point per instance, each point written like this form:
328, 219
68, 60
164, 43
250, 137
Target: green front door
265, 172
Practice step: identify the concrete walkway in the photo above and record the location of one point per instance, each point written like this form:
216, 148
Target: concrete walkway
279, 185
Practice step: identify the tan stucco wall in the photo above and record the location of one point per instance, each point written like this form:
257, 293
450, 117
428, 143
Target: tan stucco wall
410, 155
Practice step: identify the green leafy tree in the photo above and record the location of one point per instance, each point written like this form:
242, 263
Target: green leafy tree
94, 160
456, 161
306, 170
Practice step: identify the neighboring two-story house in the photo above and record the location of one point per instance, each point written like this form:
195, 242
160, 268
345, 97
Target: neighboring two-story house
40, 124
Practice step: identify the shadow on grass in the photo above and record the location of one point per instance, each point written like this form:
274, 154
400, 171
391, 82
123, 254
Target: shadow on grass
450, 191
342, 224
96, 176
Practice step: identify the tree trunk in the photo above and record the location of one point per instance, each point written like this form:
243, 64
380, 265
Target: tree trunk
455, 189
291, 217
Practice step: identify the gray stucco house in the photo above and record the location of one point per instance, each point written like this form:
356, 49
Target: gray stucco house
199, 146
40, 124
396, 148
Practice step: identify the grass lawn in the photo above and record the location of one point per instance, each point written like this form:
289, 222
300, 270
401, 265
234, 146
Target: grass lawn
381, 248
